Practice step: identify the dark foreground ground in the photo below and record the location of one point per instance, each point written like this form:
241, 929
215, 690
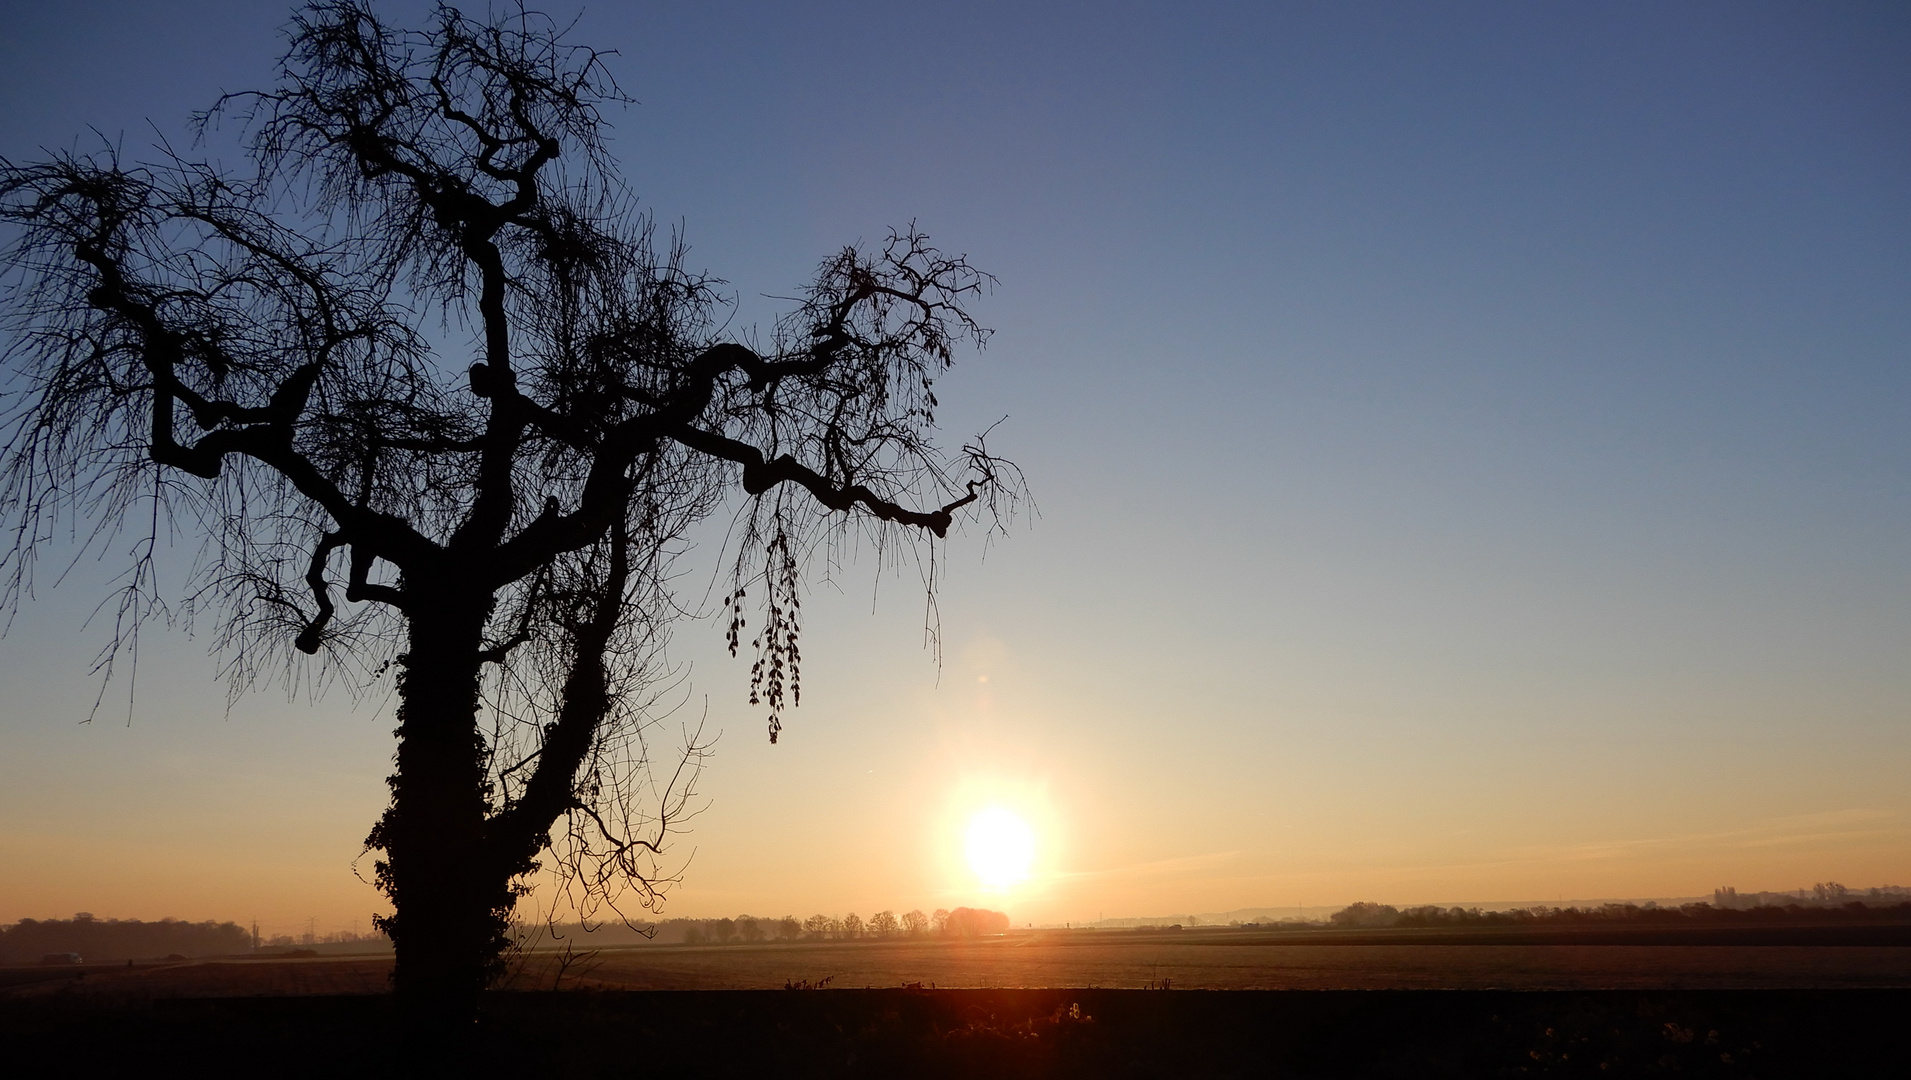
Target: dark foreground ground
998, 1034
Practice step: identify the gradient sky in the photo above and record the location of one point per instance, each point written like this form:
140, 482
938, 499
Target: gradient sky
1470, 443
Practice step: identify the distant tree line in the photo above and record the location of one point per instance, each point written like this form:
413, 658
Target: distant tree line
113, 940
336, 937
1823, 894
1368, 915
884, 925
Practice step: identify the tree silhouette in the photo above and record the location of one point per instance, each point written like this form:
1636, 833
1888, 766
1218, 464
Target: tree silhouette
277, 361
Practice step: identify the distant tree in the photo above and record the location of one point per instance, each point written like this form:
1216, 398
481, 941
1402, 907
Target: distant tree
883, 923
915, 924
818, 927
493, 510
852, 925
975, 922
1365, 915
749, 929
788, 929
939, 922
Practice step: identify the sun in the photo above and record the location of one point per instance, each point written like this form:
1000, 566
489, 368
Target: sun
1001, 847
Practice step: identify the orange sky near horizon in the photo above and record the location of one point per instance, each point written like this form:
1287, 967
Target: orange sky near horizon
865, 804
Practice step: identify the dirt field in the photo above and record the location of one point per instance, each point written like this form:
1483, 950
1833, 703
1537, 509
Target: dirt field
1031, 961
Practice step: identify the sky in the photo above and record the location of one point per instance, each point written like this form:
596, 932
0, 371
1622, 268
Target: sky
1469, 443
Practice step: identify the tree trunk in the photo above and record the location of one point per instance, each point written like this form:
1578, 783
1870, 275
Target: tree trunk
448, 923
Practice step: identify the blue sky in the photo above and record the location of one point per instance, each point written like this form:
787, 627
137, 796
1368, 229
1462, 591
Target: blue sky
1469, 441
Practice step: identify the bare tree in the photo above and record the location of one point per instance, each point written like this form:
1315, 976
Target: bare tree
883, 923
276, 362
915, 924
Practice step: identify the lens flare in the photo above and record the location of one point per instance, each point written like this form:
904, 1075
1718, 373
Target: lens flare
1001, 847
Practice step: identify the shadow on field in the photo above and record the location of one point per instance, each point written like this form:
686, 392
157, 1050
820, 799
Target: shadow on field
1000, 1034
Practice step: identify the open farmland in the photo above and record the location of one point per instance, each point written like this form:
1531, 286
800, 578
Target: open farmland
1350, 1004
1227, 962
1190, 961
1034, 961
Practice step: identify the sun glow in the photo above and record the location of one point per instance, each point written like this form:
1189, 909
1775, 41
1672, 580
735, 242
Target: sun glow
1001, 847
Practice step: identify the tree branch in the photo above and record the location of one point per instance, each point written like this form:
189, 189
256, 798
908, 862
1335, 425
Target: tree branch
515, 833
760, 476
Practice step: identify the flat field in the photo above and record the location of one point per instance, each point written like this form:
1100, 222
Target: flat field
1135, 964
1193, 961
1027, 1005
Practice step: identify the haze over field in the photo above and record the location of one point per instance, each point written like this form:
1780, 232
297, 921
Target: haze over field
1469, 443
